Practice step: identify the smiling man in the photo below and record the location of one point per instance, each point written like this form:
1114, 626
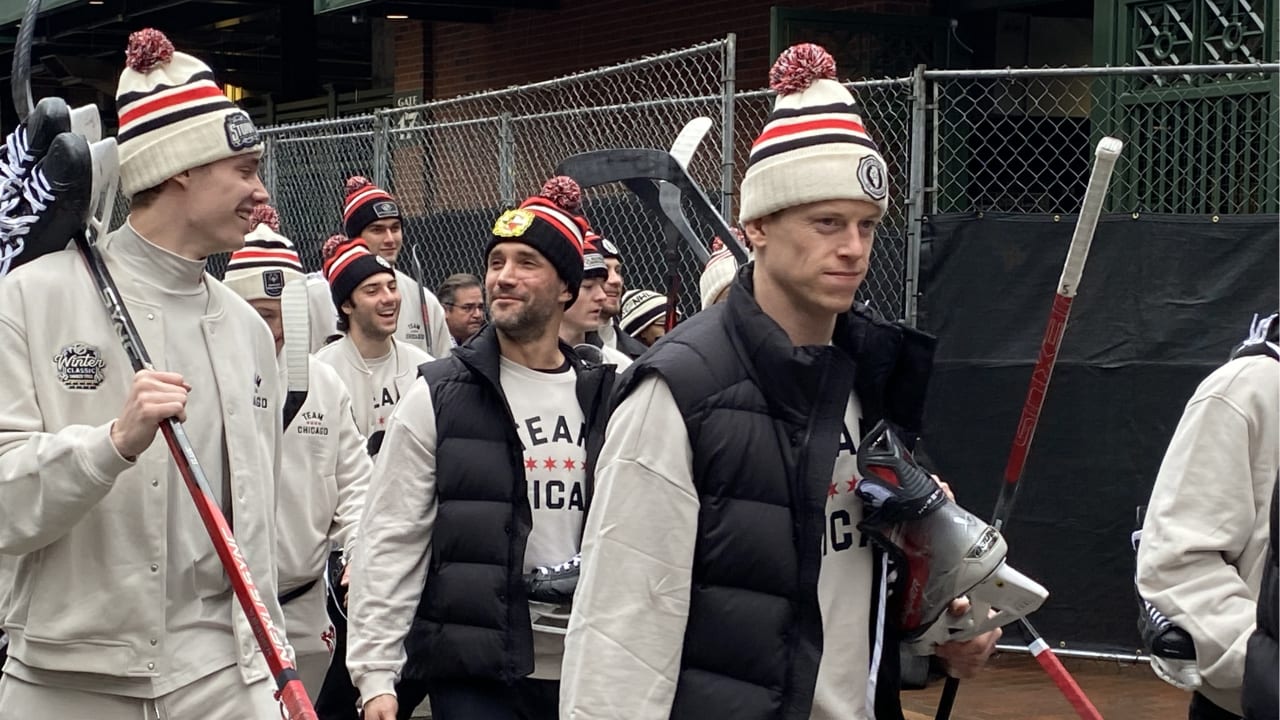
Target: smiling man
120, 608
714, 583
485, 475
376, 367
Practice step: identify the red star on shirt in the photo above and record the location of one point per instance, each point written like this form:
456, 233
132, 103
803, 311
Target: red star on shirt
530, 464
549, 464
832, 491
853, 484
569, 464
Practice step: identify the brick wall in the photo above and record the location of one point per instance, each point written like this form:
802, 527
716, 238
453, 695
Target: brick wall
524, 46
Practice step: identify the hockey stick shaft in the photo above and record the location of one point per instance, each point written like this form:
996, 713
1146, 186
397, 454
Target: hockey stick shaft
297, 706
1108, 151
685, 145
1105, 157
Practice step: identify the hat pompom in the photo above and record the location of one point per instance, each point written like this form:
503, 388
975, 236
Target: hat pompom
799, 66
564, 192
331, 246
358, 182
147, 49
265, 215
716, 245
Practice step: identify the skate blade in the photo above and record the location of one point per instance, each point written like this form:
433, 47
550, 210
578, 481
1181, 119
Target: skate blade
87, 123
106, 181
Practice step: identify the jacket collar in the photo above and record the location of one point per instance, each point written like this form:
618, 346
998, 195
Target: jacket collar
482, 353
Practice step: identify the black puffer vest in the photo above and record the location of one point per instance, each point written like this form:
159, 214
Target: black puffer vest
764, 420
473, 618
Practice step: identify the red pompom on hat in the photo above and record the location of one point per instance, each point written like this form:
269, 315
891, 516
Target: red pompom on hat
357, 182
147, 49
799, 66
330, 245
564, 192
265, 215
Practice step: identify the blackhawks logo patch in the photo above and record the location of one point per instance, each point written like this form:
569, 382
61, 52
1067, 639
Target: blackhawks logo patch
513, 223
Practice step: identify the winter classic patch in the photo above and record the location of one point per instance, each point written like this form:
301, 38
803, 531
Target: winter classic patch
273, 282
386, 209
80, 366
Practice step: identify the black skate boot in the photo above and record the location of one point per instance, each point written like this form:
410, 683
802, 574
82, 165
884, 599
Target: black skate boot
554, 585
27, 144
54, 205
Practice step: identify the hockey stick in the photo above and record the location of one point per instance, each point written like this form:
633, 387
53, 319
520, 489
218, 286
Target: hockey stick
270, 640
1108, 151
685, 145
419, 276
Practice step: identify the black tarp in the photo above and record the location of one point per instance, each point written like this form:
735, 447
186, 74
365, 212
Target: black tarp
1162, 301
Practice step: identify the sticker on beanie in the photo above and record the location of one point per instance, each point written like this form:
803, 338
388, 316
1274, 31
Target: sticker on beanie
513, 223
609, 247
386, 209
871, 175
241, 134
273, 282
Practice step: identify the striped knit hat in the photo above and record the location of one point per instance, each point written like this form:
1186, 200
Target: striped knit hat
366, 203
347, 263
721, 269
592, 257
549, 222
173, 116
640, 309
815, 146
266, 263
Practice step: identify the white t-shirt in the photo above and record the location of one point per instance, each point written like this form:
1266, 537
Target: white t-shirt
552, 429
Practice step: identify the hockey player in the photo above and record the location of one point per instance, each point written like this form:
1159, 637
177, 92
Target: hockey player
376, 367
120, 608
325, 467
608, 335
1204, 540
372, 214
722, 570
644, 316
585, 314
485, 474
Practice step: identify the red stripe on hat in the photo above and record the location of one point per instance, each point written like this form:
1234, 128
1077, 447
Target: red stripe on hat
343, 256
555, 222
200, 92
364, 196
791, 128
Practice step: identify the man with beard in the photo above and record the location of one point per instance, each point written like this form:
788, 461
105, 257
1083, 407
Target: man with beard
485, 475
608, 334
585, 314
120, 608
371, 213
723, 574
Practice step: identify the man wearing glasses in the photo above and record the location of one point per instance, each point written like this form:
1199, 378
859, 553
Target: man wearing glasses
463, 299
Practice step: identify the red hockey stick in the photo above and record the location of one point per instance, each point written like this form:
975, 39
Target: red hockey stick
1105, 157
291, 694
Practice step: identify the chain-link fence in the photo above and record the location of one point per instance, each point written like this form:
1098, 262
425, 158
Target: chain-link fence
1198, 139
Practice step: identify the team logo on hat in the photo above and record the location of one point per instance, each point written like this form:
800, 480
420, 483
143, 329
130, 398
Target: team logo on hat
273, 282
80, 366
386, 209
513, 223
382, 261
871, 175
609, 247
241, 134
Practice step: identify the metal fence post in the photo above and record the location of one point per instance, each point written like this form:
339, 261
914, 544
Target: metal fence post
269, 167
381, 143
506, 161
915, 196
727, 118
